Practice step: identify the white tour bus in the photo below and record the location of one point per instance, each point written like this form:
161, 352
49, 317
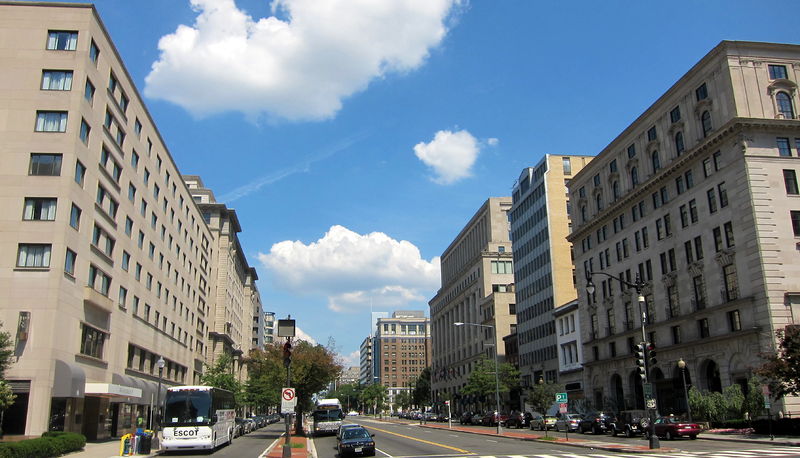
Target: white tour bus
327, 417
197, 417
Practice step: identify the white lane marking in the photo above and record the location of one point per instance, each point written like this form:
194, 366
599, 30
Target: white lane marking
379, 450
490, 440
264, 453
453, 435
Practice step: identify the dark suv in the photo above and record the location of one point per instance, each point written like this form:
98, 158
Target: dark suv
597, 423
630, 423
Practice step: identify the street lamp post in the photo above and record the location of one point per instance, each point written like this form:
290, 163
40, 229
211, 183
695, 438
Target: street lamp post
160, 363
496, 370
637, 285
682, 367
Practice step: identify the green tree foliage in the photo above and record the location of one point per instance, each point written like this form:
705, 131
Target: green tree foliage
374, 396
403, 400
481, 380
782, 368
541, 396
6, 352
730, 404
349, 395
220, 375
753, 401
422, 388
313, 368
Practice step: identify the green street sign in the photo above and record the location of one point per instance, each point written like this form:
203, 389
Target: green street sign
561, 398
648, 390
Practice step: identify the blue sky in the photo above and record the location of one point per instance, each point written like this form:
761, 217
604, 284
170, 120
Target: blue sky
355, 138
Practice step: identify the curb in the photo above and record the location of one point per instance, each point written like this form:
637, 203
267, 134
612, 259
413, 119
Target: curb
582, 443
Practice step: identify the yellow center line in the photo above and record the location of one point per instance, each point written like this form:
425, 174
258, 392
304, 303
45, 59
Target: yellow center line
422, 440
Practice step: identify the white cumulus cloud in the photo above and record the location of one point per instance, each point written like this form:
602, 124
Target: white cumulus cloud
299, 334
355, 271
450, 155
297, 64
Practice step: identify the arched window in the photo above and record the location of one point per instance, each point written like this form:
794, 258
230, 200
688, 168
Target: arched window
615, 189
679, 146
634, 176
705, 120
656, 161
784, 105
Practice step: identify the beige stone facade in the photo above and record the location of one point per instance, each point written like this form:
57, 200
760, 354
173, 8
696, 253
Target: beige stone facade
477, 288
105, 259
235, 300
698, 197
540, 222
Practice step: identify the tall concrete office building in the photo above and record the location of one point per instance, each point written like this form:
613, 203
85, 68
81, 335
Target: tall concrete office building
698, 198
105, 259
543, 269
477, 288
401, 350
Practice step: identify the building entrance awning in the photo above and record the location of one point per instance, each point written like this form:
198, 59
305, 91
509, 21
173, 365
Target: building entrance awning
69, 380
112, 390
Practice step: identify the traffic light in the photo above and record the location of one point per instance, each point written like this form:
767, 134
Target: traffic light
287, 354
651, 354
640, 360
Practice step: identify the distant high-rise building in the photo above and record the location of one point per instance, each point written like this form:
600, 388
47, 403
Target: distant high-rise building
367, 366
477, 289
401, 349
269, 328
699, 199
543, 269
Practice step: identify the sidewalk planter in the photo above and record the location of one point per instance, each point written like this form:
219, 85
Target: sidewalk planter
52, 443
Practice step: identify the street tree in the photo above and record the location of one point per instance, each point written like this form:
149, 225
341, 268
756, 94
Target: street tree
403, 400
481, 381
375, 396
782, 367
348, 394
313, 367
6, 352
541, 396
421, 395
220, 375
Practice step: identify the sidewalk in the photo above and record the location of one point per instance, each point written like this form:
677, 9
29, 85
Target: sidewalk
752, 438
103, 449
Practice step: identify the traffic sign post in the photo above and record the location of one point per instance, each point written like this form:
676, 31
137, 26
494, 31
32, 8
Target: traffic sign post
288, 400
561, 399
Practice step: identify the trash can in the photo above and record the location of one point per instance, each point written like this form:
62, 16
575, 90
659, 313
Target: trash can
145, 444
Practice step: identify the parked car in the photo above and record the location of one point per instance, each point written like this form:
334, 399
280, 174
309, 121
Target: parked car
477, 419
466, 418
356, 441
493, 417
240, 429
251, 424
672, 427
542, 422
567, 422
630, 423
519, 419
597, 423
442, 417
352, 413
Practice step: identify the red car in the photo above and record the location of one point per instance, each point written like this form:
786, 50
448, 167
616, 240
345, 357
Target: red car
492, 418
672, 427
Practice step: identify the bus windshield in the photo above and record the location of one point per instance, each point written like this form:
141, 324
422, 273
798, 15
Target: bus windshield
328, 415
187, 407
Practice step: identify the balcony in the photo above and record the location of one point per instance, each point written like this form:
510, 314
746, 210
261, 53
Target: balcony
97, 298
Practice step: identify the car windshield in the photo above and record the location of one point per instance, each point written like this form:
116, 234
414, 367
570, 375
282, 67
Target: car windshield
356, 433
